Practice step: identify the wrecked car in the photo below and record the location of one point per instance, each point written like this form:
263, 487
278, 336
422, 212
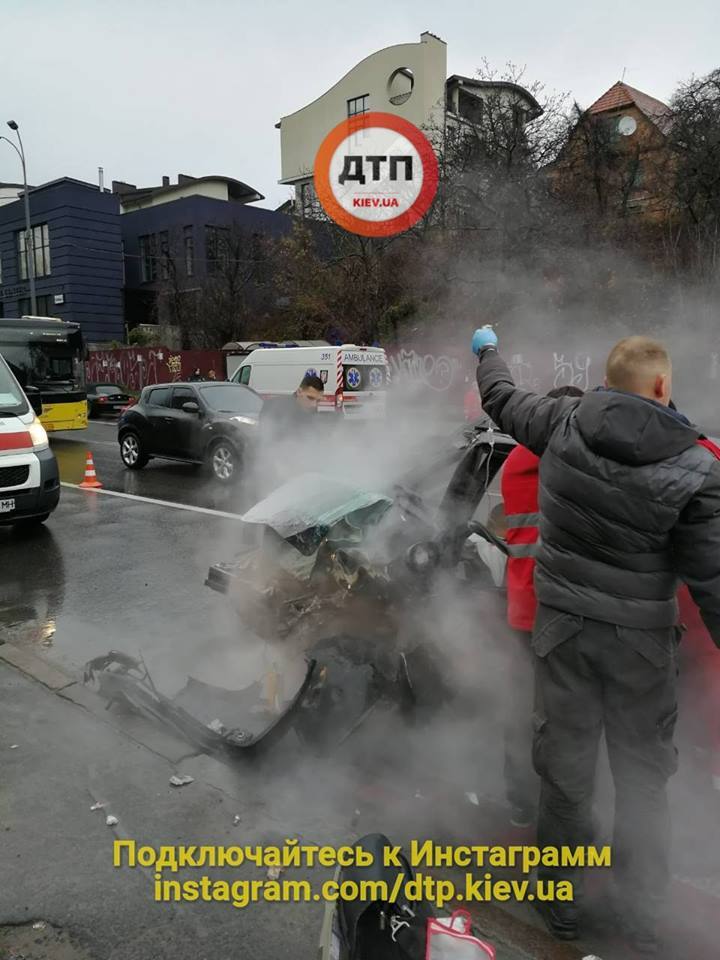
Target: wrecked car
339, 577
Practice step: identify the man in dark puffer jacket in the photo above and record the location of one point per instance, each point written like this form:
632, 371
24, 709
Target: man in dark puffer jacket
629, 503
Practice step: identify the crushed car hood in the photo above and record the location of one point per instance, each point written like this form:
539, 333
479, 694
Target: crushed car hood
313, 500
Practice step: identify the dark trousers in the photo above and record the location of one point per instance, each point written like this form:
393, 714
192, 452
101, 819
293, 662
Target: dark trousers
590, 676
521, 782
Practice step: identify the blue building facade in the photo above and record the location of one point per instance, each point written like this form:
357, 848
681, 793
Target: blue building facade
78, 258
179, 243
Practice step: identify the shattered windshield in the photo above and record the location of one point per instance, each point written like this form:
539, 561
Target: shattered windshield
316, 502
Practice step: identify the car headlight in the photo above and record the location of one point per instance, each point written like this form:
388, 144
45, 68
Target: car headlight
38, 435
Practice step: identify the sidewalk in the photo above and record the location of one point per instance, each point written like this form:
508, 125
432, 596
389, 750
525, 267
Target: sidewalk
56, 862
60, 752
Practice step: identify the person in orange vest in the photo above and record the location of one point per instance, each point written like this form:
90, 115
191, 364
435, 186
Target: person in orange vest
700, 672
519, 488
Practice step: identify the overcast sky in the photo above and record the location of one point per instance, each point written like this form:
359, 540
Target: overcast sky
150, 87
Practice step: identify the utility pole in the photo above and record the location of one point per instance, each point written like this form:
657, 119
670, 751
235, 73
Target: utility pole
29, 244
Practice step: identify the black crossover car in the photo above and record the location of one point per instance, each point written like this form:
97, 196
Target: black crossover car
204, 423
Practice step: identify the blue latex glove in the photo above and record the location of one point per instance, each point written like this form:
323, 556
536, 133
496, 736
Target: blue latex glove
484, 337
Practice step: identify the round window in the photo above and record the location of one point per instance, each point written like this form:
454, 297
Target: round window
400, 86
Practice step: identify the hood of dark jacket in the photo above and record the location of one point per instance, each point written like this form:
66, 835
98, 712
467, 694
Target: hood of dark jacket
630, 429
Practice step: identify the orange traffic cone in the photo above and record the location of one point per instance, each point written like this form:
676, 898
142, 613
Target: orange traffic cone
90, 481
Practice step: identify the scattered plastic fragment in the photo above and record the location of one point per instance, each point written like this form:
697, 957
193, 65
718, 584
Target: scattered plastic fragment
40, 925
98, 806
111, 821
217, 726
473, 798
236, 819
14, 746
274, 873
176, 781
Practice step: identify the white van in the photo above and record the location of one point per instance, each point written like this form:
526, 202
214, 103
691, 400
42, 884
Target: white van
29, 480
355, 378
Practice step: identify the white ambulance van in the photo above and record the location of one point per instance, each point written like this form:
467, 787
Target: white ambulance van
29, 481
355, 378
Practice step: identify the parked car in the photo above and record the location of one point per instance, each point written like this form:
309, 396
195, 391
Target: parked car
29, 480
205, 423
106, 398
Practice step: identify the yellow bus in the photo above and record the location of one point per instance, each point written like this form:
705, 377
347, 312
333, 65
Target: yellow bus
47, 357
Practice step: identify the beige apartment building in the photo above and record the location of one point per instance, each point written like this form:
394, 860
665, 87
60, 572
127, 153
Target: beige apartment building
409, 80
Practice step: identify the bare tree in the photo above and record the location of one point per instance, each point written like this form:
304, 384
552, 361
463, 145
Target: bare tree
219, 300
694, 228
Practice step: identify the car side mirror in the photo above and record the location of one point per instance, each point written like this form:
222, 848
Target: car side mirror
34, 399
191, 407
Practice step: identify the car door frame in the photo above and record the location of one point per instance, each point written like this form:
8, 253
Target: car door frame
157, 422
186, 427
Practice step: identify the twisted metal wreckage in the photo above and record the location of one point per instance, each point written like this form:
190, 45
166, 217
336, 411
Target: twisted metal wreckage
342, 576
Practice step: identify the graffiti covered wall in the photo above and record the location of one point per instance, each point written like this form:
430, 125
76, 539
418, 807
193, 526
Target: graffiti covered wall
136, 367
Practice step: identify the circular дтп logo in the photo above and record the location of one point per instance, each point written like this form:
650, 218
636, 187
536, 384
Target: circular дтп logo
376, 174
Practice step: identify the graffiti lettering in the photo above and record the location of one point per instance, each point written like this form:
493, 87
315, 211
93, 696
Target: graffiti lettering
522, 373
574, 373
438, 373
136, 367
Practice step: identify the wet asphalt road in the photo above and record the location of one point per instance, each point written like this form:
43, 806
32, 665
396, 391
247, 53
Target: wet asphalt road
160, 479
110, 572
124, 571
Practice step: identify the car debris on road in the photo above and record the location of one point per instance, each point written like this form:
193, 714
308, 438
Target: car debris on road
339, 569
180, 781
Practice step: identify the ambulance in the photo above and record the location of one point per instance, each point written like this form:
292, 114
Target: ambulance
29, 481
355, 379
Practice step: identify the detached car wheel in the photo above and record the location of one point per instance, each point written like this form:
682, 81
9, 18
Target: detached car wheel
132, 453
224, 461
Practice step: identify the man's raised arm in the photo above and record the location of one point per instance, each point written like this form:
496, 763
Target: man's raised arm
527, 417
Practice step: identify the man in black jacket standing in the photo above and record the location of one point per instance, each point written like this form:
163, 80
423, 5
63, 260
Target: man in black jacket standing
629, 504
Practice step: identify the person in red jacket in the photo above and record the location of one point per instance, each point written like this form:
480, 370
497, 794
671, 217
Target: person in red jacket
700, 675
519, 488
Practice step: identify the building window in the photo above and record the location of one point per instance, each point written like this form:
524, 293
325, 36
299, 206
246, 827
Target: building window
148, 263
41, 248
358, 105
189, 248
43, 305
520, 116
471, 107
164, 255
217, 248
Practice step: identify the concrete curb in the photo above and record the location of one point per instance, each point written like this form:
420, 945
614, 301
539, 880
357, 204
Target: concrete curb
160, 742
35, 667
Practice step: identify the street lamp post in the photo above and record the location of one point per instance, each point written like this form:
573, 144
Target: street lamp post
29, 245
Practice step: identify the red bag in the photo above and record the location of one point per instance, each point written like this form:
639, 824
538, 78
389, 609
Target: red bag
451, 938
